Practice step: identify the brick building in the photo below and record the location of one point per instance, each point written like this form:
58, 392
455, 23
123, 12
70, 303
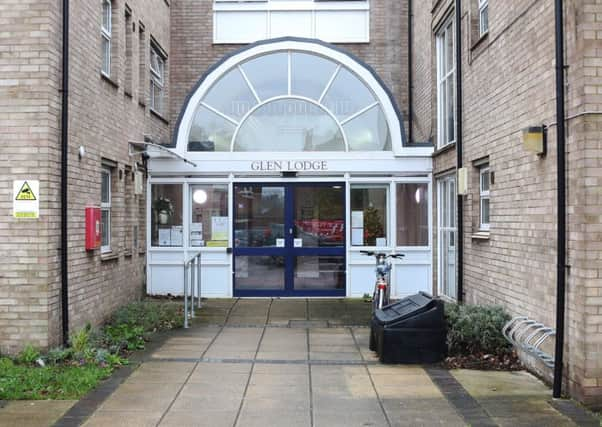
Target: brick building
200, 77
109, 104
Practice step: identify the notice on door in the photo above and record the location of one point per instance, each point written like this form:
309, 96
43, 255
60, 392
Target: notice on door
26, 199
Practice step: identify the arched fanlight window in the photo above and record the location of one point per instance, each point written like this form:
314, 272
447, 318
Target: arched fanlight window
289, 101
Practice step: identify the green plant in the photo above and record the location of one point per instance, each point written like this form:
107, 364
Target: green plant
28, 355
163, 204
125, 336
80, 340
476, 329
51, 382
58, 355
151, 316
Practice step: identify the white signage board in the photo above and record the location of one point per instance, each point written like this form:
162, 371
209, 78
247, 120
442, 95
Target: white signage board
26, 199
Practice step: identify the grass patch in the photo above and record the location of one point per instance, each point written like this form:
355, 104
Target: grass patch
93, 354
63, 382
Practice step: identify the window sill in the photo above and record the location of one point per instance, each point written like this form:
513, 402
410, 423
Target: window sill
480, 40
109, 80
481, 235
128, 94
444, 149
159, 116
128, 254
109, 256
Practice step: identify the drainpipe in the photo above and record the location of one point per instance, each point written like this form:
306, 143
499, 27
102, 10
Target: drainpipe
459, 150
64, 156
561, 165
410, 76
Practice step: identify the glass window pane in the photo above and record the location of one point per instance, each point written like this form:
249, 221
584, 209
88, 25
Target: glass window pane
319, 272
450, 117
106, 55
210, 132
347, 95
106, 16
268, 74
209, 215
105, 227
412, 215
259, 219
320, 216
369, 217
289, 125
485, 211
105, 187
231, 95
259, 272
485, 180
310, 74
449, 48
368, 132
166, 218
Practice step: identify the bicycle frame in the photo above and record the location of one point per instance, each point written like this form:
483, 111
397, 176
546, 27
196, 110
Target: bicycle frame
382, 288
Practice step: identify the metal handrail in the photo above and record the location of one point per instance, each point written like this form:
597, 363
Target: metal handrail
192, 277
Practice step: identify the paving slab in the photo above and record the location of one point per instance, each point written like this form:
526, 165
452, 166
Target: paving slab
123, 419
259, 370
33, 413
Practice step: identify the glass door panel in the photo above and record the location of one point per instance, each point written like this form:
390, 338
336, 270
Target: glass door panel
259, 219
319, 272
319, 216
259, 272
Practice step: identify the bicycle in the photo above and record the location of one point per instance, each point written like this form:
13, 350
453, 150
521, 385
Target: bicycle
382, 288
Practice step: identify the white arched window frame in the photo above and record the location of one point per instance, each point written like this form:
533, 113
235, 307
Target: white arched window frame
365, 75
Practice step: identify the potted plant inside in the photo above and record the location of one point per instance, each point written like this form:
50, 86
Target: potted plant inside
163, 209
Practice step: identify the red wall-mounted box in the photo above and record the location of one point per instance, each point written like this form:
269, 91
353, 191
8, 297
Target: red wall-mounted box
93, 232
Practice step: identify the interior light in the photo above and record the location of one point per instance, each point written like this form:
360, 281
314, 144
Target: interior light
199, 197
418, 196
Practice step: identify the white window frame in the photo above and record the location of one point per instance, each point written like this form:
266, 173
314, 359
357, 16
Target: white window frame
483, 17
105, 206
106, 34
387, 220
446, 224
157, 77
484, 195
444, 79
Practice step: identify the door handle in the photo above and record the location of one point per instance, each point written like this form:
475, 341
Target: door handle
290, 231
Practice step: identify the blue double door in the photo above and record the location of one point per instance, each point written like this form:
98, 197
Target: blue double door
289, 239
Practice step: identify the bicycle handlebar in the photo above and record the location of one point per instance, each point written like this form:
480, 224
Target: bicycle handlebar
373, 253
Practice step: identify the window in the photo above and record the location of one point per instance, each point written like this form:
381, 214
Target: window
105, 208
157, 71
446, 236
334, 21
299, 101
129, 29
369, 219
412, 214
446, 92
209, 216
105, 30
166, 215
484, 183
483, 17
142, 49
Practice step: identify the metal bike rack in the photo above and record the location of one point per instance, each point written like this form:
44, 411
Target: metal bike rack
192, 286
529, 335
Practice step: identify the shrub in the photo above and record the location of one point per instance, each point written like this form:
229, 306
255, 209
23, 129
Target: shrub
150, 316
28, 355
125, 336
58, 355
476, 330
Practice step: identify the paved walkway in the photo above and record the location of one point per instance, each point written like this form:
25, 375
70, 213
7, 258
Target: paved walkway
305, 363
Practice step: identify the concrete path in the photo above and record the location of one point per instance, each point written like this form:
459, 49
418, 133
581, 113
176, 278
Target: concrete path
306, 363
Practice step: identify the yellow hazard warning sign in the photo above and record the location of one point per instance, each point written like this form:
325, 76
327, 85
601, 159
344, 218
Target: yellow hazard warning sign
26, 199
25, 193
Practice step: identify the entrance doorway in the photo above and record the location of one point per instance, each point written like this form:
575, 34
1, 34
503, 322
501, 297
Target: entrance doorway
289, 239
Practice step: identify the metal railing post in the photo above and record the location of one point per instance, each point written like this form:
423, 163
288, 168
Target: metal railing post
192, 280
198, 280
185, 295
